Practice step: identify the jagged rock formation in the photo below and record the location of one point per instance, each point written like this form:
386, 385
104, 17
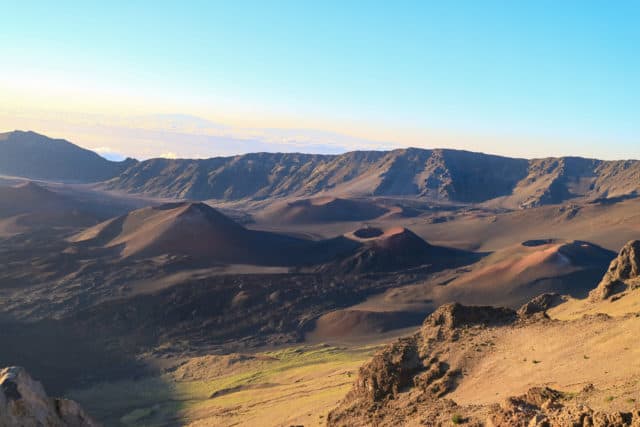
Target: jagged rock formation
24, 403
445, 175
449, 318
421, 361
623, 273
437, 174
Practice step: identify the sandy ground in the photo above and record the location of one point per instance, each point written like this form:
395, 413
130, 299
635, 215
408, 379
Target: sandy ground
610, 226
577, 308
566, 356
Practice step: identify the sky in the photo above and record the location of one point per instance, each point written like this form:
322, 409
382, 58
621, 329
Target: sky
204, 78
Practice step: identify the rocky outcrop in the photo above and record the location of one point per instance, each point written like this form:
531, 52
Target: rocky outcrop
453, 316
24, 403
420, 363
389, 371
542, 407
411, 381
623, 273
540, 304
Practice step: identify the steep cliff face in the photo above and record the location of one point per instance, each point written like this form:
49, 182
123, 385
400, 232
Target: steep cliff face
24, 403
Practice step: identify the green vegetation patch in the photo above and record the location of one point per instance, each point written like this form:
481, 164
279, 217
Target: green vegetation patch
158, 400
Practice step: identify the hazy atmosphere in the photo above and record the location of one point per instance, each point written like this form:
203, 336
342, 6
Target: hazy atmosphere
148, 79
320, 214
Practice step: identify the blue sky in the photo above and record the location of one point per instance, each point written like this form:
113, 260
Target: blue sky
516, 78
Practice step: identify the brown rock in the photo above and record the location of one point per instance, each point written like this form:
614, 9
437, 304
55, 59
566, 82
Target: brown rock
443, 323
389, 371
413, 364
24, 403
623, 273
539, 304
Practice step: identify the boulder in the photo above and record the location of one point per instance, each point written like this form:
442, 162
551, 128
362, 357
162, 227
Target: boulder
540, 304
623, 273
24, 403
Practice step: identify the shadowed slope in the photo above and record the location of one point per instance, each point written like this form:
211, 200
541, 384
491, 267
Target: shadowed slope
31, 155
192, 229
514, 275
508, 277
29, 205
200, 232
395, 249
29, 197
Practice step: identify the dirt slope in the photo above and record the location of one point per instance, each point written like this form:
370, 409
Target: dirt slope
28, 206
508, 277
609, 224
394, 249
486, 366
198, 231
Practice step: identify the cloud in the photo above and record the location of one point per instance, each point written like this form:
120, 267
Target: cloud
109, 153
179, 135
168, 155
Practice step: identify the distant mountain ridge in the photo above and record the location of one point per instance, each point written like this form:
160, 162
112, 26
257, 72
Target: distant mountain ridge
439, 175
432, 174
435, 174
31, 155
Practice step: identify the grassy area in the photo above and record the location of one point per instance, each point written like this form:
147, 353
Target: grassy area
316, 377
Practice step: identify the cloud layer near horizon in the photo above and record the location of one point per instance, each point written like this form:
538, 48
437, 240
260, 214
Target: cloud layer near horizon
180, 136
